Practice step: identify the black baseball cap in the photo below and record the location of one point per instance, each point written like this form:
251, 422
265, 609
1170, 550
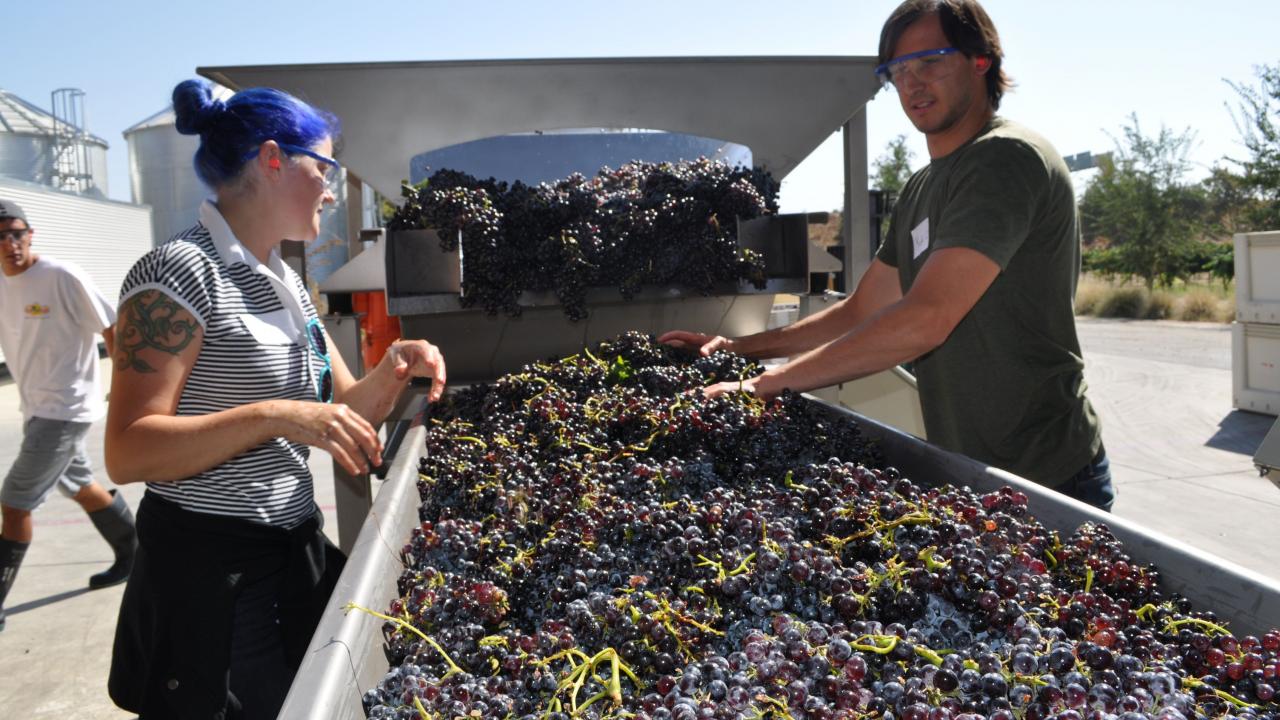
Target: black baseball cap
9, 210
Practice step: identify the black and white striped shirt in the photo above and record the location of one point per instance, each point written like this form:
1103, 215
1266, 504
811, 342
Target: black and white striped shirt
254, 317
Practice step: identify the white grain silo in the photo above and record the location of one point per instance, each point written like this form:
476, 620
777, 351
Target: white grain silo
37, 147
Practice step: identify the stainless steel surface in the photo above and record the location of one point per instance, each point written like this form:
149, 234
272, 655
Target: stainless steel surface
422, 279
781, 108
98, 159
554, 154
782, 241
450, 303
346, 655
25, 157
480, 347
856, 220
365, 272
821, 261
353, 494
161, 175
415, 264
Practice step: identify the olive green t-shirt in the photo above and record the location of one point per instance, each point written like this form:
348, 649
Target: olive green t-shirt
1007, 386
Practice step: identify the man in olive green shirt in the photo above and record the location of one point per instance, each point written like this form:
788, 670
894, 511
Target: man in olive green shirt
976, 280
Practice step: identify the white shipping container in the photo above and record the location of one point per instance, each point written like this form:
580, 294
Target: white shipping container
1257, 261
104, 237
1255, 367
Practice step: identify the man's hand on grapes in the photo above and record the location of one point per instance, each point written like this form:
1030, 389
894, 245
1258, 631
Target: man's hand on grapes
706, 344
752, 386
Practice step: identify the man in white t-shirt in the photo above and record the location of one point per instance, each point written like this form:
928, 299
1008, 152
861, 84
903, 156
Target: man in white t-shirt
50, 316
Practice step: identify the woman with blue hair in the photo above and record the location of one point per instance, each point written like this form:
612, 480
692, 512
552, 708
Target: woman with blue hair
223, 380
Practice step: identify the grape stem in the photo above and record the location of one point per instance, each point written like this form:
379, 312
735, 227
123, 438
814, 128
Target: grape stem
1195, 683
930, 562
885, 644
1172, 625
580, 674
453, 666
791, 484
595, 359
914, 518
777, 708
721, 573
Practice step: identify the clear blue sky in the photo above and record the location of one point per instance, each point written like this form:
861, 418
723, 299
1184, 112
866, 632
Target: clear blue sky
1082, 67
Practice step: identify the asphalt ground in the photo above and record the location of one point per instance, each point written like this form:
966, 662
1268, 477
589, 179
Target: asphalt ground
1180, 456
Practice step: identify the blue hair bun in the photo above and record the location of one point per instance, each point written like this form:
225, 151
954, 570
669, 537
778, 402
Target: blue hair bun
252, 116
195, 108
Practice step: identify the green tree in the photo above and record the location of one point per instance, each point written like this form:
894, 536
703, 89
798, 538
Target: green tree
892, 170
1139, 204
1257, 117
1231, 205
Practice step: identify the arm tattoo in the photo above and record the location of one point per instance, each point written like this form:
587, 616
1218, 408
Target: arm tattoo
151, 322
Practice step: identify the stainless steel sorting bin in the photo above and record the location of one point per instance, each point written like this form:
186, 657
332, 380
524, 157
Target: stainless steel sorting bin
346, 656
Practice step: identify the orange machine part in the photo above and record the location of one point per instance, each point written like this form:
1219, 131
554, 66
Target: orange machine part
380, 329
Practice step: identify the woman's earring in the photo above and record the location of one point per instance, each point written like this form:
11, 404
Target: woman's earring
274, 163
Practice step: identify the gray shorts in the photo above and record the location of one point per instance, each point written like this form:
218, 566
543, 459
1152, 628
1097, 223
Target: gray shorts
53, 453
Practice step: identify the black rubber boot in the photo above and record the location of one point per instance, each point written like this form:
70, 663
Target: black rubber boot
115, 523
11, 554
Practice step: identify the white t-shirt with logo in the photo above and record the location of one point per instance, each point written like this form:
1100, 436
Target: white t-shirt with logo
50, 316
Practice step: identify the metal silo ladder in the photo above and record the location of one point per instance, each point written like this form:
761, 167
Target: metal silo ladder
71, 167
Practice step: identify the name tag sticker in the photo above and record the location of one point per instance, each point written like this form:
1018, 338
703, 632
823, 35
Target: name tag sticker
920, 239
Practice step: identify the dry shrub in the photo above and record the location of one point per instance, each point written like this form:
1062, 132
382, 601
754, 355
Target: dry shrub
1125, 302
1228, 308
1200, 305
1160, 306
1089, 294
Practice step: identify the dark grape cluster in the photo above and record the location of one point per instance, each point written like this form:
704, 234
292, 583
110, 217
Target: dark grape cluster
643, 224
598, 542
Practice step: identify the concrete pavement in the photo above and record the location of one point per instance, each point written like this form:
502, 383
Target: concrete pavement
56, 650
1181, 456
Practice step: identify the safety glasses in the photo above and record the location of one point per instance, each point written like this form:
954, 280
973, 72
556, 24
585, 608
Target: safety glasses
926, 66
332, 167
316, 341
13, 237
